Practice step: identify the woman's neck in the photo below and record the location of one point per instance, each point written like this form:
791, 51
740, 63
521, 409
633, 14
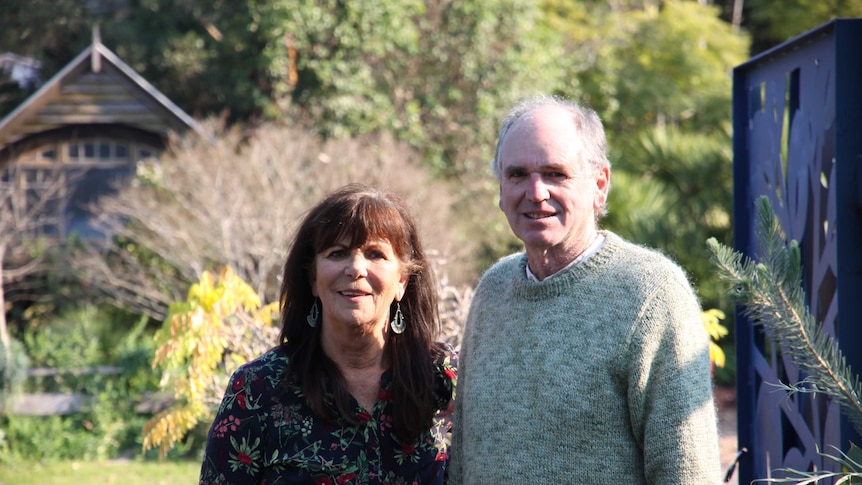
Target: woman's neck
351, 351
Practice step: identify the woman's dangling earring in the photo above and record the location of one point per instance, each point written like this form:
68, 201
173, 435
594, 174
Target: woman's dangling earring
397, 322
313, 317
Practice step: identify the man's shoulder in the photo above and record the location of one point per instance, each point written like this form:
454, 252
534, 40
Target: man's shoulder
503, 267
642, 258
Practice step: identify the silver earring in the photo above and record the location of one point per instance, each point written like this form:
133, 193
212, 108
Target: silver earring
313, 317
397, 322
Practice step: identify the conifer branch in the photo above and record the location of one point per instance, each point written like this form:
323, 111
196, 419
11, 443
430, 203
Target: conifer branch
771, 293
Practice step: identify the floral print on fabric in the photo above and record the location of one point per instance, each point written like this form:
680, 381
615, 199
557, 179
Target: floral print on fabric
262, 434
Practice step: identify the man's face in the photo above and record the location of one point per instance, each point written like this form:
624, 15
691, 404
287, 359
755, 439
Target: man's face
548, 194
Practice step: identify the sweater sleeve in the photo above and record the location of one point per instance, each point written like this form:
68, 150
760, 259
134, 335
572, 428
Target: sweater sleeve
670, 399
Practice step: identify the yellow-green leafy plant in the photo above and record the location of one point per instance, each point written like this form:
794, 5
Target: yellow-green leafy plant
219, 327
716, 331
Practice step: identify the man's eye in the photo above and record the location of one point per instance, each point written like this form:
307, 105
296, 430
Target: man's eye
558, 175
517, 175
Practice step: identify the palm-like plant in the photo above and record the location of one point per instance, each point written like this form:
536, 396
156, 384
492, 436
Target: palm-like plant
771, 293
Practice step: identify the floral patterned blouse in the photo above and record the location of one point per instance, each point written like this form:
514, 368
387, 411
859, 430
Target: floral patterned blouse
263, 435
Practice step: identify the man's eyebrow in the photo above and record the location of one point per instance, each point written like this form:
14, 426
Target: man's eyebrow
514, 168
555, 167
550, 167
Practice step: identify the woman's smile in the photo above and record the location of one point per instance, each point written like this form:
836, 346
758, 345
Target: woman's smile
357, 285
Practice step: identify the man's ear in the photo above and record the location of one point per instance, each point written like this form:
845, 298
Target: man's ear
602, 185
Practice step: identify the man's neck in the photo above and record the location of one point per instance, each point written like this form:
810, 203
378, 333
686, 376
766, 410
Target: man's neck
547, 262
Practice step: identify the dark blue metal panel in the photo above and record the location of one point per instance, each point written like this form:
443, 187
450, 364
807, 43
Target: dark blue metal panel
798, 140
848, 150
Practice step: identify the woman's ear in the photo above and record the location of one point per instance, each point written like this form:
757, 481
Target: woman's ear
311, 280
402, 287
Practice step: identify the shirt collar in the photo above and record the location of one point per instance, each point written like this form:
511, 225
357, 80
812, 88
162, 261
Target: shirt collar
591, 249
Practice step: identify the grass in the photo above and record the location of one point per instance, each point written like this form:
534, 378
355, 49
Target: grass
119, 472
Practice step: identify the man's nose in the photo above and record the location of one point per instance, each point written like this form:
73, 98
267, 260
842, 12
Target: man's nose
537, 190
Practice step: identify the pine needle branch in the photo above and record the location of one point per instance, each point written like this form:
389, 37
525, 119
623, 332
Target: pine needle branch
771, 293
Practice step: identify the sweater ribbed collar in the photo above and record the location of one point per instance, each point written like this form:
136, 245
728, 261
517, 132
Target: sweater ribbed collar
566, 279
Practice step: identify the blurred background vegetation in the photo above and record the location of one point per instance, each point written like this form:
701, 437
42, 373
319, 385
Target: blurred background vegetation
303, 96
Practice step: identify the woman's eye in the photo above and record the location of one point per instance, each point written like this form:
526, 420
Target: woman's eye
335, 253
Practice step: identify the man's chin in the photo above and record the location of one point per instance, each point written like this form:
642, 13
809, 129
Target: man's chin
537, 240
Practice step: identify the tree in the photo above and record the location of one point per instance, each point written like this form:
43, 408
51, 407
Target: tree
658, 74
772, 23
51, 31
25, 217
676, 196
235, 201
220, 326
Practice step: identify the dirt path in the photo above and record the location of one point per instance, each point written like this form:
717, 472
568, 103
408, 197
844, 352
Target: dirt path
725, 400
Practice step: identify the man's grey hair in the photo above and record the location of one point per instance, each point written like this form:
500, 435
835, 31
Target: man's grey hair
587, 123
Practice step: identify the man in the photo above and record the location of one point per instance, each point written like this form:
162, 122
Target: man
584, 359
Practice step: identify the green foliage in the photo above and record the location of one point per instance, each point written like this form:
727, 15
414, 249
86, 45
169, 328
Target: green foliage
771, 293
70, 341
48, 438
726, 376
658, 73
773, 24
76, 340
642, 65
13, 372
53, 31
675, 195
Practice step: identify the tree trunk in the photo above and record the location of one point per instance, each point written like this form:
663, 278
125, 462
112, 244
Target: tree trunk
6, 363
4, 330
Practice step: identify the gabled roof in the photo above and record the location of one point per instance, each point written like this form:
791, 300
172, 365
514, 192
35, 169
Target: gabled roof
96, 87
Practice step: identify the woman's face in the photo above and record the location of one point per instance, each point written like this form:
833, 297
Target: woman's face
357, 285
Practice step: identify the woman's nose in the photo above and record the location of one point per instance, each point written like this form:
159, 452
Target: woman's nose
357, 266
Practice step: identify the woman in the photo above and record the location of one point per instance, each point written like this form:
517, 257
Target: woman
356, 391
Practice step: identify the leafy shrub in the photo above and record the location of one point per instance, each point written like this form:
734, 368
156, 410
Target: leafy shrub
13, 372
79, 339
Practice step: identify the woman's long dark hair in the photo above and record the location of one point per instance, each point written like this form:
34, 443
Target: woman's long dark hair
360, 213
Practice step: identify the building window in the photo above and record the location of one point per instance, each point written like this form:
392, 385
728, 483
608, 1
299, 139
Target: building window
90, 168
99, 151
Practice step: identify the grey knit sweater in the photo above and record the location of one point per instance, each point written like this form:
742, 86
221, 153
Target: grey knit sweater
597, 375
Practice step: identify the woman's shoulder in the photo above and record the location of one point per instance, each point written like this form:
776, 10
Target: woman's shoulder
270, 364
444, 352
446, 375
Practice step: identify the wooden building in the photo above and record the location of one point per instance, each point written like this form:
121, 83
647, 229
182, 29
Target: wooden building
89, 125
